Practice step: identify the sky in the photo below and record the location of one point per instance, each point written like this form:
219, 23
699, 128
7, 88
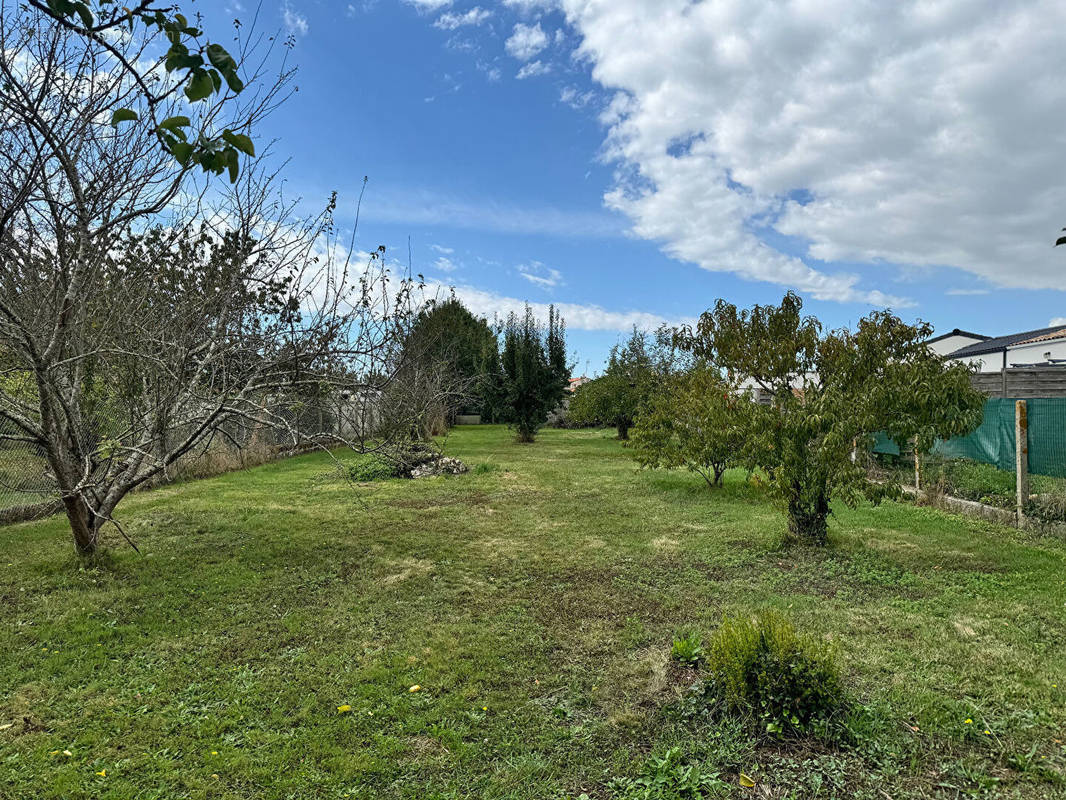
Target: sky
632, 161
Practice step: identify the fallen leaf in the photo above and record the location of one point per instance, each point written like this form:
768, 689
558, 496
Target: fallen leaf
746, 782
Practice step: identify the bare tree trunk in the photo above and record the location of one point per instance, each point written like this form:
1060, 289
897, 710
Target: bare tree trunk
81, 525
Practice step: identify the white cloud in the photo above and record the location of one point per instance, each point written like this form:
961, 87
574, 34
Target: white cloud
967, 292
493, 73
905, 133
429, 5
295, 22
419, 207
533, 69
577, 315
1057, 321
575, 98
529, 6
450, 21
442, 249
526, 41
540, 275
445, 264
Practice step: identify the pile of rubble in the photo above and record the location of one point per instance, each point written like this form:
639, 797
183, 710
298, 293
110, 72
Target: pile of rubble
442, 465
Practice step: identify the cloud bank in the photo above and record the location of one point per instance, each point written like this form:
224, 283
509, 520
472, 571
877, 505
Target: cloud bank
852, 133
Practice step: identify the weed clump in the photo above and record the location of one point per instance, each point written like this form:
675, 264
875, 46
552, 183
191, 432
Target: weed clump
764, 671
668, 777
687, 648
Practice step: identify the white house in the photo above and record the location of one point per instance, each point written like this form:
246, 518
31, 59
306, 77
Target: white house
1043, 347
953, 340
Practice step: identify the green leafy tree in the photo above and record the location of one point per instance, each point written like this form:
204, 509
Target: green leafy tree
191, 65
634, 371
534, 371
825, 394
491, 384
696, 421
460, 349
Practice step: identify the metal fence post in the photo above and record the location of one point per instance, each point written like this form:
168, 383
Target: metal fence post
1021, 456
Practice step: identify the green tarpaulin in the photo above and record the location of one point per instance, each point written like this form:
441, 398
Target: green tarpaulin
993, 441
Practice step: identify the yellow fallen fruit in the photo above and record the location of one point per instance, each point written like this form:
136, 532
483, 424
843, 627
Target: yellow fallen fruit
67, 753
415, 688
344, 709
746, 782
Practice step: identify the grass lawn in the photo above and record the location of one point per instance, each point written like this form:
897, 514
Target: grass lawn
534, 602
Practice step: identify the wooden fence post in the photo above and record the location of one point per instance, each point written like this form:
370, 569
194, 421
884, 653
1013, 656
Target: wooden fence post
1021, 457
917, 466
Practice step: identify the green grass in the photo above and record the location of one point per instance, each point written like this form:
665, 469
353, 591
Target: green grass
535, 602
986, 483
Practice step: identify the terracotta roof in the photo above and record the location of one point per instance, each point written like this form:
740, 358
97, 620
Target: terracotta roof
1047, 337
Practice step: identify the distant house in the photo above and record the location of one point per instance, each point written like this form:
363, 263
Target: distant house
954, 340
575, 382
1043, 347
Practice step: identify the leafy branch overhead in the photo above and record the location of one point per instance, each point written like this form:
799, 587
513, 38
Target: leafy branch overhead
203, 69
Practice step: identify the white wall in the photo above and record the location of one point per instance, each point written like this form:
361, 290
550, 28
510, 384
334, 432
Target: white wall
1018, 354
987, 362
1034, 353
951, 344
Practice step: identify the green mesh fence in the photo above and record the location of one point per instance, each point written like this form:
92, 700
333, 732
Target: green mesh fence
993, 441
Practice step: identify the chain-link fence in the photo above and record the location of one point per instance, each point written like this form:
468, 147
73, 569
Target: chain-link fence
26, 486
28, 489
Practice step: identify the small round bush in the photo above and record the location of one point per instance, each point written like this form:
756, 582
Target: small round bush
370, 469
763, 670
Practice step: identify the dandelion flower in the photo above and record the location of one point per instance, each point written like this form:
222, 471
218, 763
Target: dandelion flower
344, 709
214, 752
484, 708
988, 732
415, 688
102, 773
67, 753
969, 722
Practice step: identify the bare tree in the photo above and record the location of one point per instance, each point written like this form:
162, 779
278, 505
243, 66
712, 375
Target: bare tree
141, 311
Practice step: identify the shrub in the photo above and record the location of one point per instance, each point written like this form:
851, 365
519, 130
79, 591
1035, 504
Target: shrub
371, 469
763, 670
687, 648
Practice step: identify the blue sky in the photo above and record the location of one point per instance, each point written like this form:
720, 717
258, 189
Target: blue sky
655, 157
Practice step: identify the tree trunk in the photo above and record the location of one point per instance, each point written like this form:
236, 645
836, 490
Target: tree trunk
809, 525
719, 471
623, 430
82, 525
